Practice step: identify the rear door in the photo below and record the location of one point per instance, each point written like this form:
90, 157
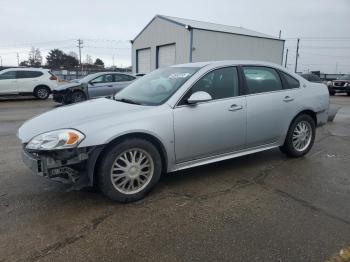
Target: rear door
101, 86
8, 83
28, 80
270, 106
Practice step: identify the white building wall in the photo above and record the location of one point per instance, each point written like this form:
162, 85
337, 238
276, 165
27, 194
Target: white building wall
161, 32
210, 45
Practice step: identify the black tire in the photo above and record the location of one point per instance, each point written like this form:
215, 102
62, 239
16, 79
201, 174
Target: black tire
332, 93
104, 174
288, 148
348, 93
77, 96
42, 92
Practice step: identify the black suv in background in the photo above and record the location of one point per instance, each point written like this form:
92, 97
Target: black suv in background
340, 85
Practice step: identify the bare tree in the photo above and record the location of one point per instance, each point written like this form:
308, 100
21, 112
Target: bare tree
34, 58
88, 60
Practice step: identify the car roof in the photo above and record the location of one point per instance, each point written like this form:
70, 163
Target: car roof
228, 62
25, 69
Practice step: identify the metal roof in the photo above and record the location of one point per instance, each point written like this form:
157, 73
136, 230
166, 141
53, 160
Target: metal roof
211, 27
217, 27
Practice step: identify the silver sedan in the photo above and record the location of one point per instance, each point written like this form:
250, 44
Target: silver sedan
175, 118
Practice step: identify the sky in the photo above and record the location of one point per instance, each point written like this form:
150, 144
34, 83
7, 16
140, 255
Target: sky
106, 26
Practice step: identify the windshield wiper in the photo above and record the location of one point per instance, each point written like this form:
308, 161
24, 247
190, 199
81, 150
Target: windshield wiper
129, 101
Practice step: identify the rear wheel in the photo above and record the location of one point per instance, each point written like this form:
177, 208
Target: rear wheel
129, 170
77, 96
42, 92
300, 137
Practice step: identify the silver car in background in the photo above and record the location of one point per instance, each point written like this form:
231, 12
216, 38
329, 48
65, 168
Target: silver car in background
101, 84
175, 118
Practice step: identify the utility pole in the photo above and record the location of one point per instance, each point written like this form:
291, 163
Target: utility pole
80, 46
279, 35
285, 60
297, 56
336, 67
17, 59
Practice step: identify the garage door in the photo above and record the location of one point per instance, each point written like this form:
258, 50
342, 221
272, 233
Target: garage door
166, 55
143, 61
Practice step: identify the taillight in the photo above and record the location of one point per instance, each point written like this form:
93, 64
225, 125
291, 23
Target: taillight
53, 78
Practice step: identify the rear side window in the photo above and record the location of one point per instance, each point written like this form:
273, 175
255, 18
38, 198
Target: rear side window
28, 74
290, 81
8, 75
261, 79
122, 78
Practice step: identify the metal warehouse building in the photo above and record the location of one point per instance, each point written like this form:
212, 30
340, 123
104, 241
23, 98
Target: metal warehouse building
169, 40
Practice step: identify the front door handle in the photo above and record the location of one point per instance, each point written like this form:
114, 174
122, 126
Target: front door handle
235, 107
288, 99
110, 86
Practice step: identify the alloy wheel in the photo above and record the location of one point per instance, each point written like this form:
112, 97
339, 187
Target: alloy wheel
302, 135
132, 171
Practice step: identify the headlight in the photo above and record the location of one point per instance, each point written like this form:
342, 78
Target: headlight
58, 139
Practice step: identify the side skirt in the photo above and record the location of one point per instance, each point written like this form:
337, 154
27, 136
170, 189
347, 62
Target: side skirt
217, 158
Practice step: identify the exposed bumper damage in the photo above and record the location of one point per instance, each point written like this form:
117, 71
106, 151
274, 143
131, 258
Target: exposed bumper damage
70, 166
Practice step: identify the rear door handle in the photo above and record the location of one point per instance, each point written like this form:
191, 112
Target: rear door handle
288, 99
235, 107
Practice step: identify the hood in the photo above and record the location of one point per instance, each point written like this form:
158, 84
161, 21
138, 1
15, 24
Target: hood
66, 86
341, 81
72, 116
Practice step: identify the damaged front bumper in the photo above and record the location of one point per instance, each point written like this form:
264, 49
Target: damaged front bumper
71, 166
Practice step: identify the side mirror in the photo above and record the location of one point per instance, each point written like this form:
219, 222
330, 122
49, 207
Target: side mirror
199, 96
91, 83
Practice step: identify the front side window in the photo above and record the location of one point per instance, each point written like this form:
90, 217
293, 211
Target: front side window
261, 79
8, 75
220, 83
156, 87
291, 81
102, 79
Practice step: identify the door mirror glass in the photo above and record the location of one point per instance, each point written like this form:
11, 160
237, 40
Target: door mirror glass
199, 96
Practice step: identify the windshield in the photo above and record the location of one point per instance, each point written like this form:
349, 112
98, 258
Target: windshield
344, 77
157, 87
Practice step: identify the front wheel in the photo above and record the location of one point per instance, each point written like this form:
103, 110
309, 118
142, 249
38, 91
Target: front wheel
332, 93
129, 170
348, 93
300, 137
77, 96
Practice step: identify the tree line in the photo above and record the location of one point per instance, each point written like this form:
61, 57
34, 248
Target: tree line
57, 59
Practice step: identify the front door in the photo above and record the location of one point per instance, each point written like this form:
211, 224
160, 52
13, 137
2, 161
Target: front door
214, 127
101, 86
8, 83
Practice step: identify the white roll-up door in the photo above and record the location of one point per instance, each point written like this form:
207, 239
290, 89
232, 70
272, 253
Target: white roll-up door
143, 61
166, 55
